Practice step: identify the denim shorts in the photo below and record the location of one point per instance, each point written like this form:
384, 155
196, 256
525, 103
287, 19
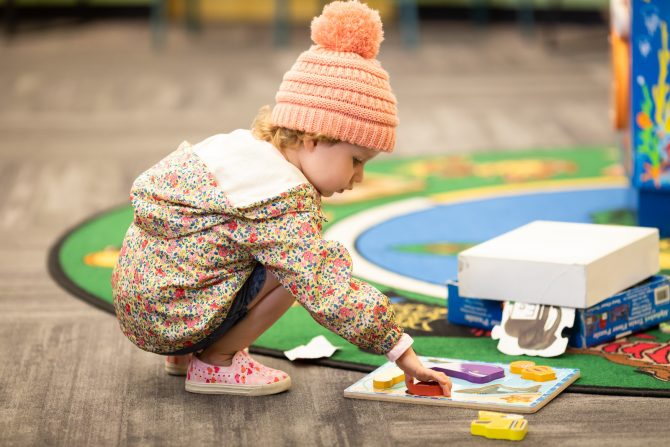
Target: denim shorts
238, 310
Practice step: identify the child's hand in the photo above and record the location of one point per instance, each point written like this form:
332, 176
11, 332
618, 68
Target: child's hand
413, 368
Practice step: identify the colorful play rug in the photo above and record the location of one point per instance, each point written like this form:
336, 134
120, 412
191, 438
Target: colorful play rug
404, 227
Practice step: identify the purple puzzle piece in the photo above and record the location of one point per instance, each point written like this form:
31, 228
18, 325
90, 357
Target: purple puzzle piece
472, 372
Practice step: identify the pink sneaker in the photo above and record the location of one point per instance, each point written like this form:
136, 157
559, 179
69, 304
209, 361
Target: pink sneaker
177, 365
244, 376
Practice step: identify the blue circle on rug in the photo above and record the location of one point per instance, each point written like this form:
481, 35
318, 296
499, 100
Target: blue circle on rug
474, 222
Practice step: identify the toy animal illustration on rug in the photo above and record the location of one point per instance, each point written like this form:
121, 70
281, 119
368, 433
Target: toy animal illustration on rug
533, 329
423, 319
646, 353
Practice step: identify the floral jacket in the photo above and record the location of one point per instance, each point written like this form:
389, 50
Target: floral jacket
204, 217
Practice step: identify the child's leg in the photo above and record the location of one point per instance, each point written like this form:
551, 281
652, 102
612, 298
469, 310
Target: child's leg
224, 367
272, 302
177, 365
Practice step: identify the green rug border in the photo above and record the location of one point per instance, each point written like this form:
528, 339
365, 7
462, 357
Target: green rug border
58, 275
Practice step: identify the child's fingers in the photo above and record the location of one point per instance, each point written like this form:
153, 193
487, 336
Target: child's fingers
446, 386
444, 381
435, 376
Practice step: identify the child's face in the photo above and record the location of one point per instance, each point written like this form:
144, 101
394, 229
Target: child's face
335, 167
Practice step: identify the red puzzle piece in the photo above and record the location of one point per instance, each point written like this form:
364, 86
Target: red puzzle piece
423, 388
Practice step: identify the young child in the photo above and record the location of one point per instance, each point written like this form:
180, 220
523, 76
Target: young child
227, 233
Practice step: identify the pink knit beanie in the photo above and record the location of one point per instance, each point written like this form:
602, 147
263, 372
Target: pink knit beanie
337, 88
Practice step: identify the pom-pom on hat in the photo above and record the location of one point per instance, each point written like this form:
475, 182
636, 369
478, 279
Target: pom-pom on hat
337, 88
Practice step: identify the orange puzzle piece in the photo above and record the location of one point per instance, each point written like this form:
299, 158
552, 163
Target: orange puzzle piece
538, 373
518, 366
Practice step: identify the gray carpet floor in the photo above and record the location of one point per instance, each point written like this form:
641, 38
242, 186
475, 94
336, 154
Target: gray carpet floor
84, 109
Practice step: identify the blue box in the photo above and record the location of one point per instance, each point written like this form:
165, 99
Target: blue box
472, 312
653, 210
637, 308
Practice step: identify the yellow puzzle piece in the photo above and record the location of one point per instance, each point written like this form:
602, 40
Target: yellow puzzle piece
518, 366
388, 378
538, 373
493, 425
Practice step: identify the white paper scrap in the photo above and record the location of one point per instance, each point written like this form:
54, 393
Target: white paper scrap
318, 347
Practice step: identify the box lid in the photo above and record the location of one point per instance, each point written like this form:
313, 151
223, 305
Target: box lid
559, 263
559, 242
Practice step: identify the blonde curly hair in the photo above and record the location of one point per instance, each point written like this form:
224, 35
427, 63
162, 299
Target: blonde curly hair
281, 137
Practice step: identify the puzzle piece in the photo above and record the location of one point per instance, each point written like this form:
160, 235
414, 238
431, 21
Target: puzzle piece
388, 378
538, 373
424, 388
533, 329
530, 371
518, 366
471, 372
495, 425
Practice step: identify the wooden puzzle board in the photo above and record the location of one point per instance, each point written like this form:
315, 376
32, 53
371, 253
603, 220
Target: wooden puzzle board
509, 394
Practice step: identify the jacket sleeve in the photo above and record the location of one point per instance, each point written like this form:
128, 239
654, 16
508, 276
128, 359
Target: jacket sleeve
317, 272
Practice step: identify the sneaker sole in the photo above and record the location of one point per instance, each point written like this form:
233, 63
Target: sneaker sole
244, 390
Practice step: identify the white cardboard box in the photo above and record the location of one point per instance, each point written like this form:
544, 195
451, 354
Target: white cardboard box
559, 263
